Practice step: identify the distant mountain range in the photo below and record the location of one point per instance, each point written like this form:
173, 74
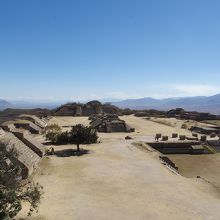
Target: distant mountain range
28, 104
4, 104
199, 103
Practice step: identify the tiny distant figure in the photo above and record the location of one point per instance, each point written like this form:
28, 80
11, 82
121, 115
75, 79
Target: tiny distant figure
51, 151
157, 138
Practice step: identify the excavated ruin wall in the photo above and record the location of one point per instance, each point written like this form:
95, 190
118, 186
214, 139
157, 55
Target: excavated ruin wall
173, 148
27, 139
117, 127
34, 129
87, 111
66, 111
215, 144
34, 119
26, 159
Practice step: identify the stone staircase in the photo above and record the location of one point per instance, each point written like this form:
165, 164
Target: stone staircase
27, 139
26, 158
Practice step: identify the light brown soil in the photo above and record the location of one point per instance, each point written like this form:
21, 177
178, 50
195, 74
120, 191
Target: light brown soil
177, 123
116, 180
206, 166
214, 122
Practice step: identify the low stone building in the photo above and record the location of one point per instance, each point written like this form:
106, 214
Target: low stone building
110, 123
21, 124
8, 126
180, 113
27, 125
88, 109
178, 147
34, 119
207, 130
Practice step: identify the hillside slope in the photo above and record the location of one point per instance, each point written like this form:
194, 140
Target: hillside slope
200, 103
4, 104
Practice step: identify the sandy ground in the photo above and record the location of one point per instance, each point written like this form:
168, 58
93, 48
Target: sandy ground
177, 123
214, 122
116, 180
206, 166
69, 121
143, 128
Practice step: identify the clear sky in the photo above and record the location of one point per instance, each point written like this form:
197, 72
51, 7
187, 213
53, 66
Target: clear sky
88, 49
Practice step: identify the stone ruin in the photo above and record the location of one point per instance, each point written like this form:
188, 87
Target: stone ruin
26, 159
88, 109
40, 122
26, 122
178, 147
28, 140
109, 123
180, 113
18, 134
207, 130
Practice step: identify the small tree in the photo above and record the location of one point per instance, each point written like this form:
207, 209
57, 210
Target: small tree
51, 132
78, 135
52, 127
62, 138
81, 134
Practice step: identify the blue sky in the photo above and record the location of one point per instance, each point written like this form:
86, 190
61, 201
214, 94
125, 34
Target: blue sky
92, 49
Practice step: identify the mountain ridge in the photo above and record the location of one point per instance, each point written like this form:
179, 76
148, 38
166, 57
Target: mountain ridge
197, 103
209, 104
4, 104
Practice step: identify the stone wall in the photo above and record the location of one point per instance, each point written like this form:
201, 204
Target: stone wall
174, 147
26, 159
27, 139
90, 108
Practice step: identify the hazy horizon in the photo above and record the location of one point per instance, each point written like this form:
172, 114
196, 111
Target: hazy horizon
103, 100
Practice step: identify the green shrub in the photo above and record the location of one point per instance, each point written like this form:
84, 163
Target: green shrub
62, 138
81, 134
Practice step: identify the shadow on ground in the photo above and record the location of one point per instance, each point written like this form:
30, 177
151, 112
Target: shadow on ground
71, 153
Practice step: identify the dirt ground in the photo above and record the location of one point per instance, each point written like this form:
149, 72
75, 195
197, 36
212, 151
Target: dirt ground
142, 127
206, 166
177, 123
214, 122
116, 180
